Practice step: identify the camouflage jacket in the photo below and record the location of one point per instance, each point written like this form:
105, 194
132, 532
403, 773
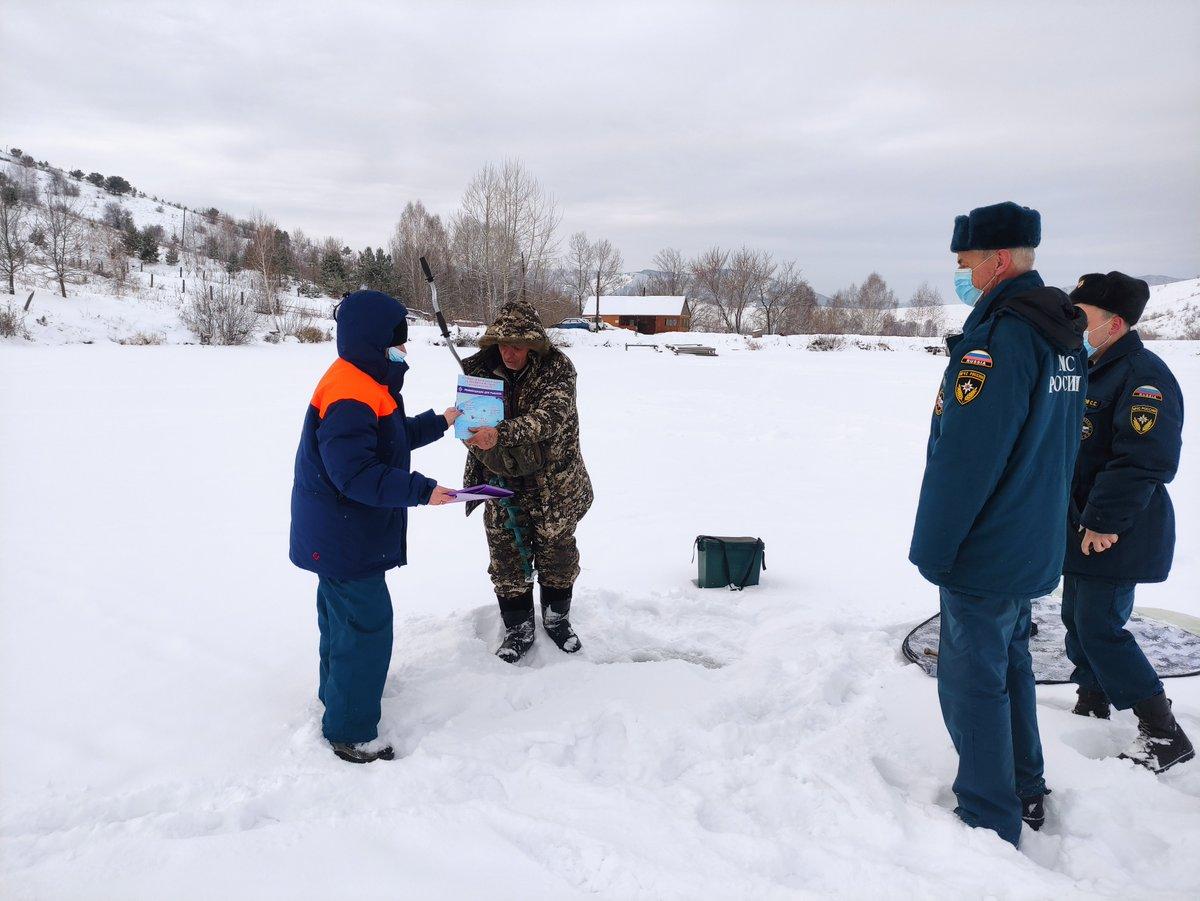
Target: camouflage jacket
541, 419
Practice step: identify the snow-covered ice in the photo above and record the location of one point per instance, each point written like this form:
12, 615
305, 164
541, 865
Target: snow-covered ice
159, 733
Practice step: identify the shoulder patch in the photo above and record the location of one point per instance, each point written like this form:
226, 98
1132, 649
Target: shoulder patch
1088, 429
1147, 392
968, 385
345, 381
1143, 417
1091, 403
940, 403
978, 358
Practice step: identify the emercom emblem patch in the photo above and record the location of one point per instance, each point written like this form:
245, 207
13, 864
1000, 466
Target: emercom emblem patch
940, 403
968, 385
1088, 428
1142, 417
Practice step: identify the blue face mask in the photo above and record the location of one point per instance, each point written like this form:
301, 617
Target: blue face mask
966, 291
965, 288
396, 355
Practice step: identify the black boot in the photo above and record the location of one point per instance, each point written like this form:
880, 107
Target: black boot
1033, 810
517, 614
363, 751
556, 608
1160, 743
1092, 703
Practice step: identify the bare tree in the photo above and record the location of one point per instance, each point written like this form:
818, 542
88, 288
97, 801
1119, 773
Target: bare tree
14, 235
113, 243
787, 301
928, 310
262, 257
63, 229
418, 234
506, 218
671, 276
874, 305
748, 273
606, 269
580, 263
709, 277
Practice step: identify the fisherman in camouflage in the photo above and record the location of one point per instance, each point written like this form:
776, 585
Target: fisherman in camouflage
535, 453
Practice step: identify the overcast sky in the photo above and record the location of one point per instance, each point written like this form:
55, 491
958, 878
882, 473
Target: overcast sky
845, 136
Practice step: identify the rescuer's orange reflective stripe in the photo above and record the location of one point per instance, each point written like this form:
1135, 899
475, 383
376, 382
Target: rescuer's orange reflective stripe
345, 381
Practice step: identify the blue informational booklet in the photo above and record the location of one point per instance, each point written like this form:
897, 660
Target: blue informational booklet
481, 402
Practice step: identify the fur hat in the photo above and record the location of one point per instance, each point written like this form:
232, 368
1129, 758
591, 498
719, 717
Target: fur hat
1116, 292
1000, 225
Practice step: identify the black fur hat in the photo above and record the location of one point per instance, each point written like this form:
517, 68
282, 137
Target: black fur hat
1000, 225
1116, 292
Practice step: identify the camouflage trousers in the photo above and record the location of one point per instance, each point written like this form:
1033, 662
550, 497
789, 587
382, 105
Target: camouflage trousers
548, 541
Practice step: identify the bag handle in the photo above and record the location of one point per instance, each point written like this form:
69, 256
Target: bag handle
759, 549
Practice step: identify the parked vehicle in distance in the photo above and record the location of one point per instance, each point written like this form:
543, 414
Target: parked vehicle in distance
575, 322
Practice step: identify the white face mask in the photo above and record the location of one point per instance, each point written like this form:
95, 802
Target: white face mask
1093, 349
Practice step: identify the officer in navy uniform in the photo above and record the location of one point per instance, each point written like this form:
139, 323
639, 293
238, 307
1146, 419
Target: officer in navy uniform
1121, 526
988, 530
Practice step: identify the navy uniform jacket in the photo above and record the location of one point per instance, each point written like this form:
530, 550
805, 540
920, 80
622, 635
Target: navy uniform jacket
1002, 445
353, 478
1128, 451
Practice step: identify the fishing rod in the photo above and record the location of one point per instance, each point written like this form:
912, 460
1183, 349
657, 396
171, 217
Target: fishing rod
437, 312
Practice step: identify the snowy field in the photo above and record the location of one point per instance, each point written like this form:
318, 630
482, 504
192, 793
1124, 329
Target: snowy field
158, 655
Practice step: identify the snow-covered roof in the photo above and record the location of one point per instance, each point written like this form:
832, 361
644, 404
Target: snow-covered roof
636, 305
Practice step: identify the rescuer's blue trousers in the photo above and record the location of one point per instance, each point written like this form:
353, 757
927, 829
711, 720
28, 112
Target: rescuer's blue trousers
355, 619
986, 688
1106, 656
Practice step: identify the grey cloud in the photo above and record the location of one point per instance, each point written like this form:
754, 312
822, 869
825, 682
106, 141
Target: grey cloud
845, 135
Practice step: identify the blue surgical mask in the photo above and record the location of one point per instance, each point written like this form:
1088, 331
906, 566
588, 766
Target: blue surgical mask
964, 287
396, 355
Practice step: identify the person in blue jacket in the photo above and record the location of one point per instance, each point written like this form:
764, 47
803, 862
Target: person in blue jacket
1121, 525
988, 533
353, 486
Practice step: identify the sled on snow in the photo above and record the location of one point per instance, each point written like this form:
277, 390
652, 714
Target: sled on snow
1170, 641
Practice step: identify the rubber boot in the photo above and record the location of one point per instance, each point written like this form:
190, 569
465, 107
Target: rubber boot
1092, 703
1160, 743
363, 751
1033, 810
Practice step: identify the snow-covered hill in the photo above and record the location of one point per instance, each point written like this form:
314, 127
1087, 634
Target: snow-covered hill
1173, 310
92, 200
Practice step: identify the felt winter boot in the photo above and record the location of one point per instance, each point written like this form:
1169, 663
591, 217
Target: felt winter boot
556, 608
517, 614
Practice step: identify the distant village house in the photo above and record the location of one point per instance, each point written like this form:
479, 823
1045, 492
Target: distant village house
646, 315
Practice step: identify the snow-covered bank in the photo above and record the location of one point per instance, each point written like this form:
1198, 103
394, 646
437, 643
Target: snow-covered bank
158, 654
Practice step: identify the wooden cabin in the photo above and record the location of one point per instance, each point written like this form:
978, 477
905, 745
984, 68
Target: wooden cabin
646, 315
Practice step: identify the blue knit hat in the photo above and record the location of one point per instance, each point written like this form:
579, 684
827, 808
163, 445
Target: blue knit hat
998, 226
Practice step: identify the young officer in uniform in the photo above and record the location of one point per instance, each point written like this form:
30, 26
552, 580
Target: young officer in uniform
1121, 527
988, 532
